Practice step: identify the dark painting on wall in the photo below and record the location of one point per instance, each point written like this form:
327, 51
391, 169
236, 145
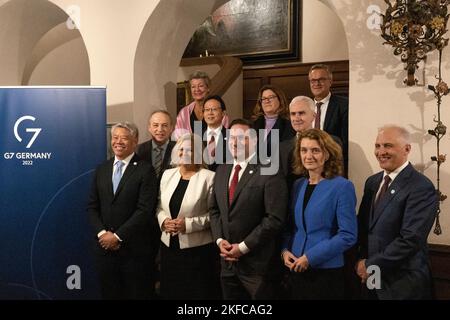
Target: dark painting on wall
253, 30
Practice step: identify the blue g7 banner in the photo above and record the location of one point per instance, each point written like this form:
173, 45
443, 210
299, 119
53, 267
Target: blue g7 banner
51, 140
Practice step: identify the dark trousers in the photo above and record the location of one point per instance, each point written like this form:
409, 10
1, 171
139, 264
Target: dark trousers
126, 277
318, 284
246, 287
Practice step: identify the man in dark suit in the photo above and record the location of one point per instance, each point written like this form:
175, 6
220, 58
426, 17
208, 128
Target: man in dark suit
122, 213
248, 211
158, 149
331, 110
395, 217
215, 136
302, 115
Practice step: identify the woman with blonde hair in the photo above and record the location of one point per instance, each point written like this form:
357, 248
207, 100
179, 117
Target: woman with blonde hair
188, 254
322, 221
199, 85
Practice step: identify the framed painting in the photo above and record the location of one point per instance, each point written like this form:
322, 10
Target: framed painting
256, 31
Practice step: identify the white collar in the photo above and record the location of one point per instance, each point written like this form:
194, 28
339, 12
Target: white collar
396, 172
217, 131
324, 100
126, 161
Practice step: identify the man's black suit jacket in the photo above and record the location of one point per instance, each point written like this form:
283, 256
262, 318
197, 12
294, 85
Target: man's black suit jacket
255, 216
144, 151
130, 212
336, 122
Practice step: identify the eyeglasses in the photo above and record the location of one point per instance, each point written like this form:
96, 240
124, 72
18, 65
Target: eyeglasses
267, 99
317, 81
214, 110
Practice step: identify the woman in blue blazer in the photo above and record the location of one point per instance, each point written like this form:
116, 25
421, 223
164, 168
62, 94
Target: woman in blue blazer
322, 223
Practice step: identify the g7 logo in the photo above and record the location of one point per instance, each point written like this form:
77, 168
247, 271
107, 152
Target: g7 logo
35, 130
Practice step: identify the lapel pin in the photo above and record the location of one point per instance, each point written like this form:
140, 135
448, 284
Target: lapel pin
251, 172
392, 191
134, 163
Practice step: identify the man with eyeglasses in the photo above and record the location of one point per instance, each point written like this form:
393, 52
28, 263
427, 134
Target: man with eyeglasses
331, 110
214, 111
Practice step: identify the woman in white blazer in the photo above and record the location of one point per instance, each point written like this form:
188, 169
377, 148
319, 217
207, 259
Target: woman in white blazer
188, 254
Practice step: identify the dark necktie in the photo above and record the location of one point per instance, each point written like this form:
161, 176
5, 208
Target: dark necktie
212, 146
117, 175
158, 160
318, 113
383, 190
234, 182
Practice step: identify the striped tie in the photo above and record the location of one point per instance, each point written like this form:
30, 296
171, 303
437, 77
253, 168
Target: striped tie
158, 160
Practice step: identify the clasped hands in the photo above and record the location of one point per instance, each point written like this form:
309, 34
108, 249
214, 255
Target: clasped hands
295, 264
361, 270
229, 252
109, 241
174, 226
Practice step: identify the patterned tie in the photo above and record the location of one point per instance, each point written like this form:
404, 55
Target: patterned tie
158, 160
212, 146
117, 175
383, 190
234, 182
318, 113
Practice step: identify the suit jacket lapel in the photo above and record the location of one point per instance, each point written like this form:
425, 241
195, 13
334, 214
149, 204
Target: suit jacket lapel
224, 193
396, 186
167, 156
328, 116
108, 174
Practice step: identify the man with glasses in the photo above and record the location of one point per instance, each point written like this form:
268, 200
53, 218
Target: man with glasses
331, 110
215, 134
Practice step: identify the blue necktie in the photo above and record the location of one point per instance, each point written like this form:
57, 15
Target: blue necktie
117, 175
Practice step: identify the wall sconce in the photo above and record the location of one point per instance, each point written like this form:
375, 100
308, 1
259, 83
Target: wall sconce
414, 28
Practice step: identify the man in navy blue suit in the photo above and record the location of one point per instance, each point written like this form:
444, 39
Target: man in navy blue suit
331, 110
395, 217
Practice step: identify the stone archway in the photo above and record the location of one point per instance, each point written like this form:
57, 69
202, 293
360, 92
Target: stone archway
159, 51
40, 48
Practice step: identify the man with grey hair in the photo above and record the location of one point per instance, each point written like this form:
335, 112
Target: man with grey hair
158, 149
395, 217
121, 209
302, 114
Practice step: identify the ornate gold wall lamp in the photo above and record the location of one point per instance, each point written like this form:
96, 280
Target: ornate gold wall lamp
414, 28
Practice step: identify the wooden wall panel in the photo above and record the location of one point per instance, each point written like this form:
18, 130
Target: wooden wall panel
440, 268
291, 78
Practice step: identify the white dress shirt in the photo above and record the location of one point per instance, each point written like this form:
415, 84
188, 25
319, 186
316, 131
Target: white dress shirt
391, 175
323, 109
